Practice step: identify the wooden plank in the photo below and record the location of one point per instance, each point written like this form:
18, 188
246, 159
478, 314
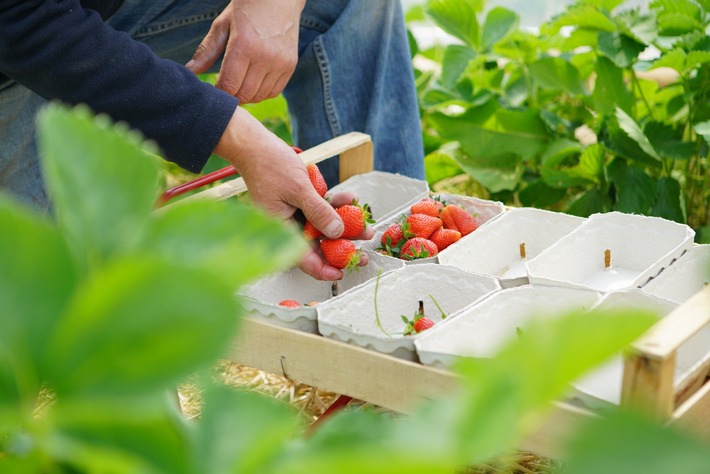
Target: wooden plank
357, 160
342, 368
676, 328
694, 414
648, 384
352, 147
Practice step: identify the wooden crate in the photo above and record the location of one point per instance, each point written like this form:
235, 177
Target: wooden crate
398, 385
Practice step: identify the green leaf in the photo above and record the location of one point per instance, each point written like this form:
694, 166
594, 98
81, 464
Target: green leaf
590, 202
619, 142
641, 27
90, 166
500, 22
635, 190
540, 195
440, 165
619, 48
667, 142
242, 431
233, 241
490, 130
619, 440
497, 173
585, 16
591, 162
607, 5
668, 203
36, 282
562, 169
674, 59
148, 436
140, 325
633, 130
558, 74
457, 18
454, 63
515, 389
703, 128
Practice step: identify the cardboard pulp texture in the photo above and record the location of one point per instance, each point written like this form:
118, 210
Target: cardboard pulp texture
684, 277
481, 330
353, 318
502, 247
261, 298
483, 210
601, 388
386, 193
611, 251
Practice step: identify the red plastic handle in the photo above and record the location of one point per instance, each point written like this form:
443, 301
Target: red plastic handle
201, 181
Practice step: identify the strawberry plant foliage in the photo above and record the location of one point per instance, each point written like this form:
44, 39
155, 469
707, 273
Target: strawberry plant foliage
507, 98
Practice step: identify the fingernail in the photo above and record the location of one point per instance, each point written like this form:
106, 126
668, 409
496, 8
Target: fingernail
190, 63
334, 229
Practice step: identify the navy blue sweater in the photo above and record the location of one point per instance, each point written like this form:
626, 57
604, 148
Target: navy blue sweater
62, 49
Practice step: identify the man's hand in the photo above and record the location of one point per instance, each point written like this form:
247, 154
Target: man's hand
259, 39
278, 183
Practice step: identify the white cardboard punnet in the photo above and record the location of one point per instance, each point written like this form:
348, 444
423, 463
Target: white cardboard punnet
481, 330
684, 277
261, 298
386, 193
502, 247
353, 319
638, 248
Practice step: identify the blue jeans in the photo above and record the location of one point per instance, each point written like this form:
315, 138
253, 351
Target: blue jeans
354, 74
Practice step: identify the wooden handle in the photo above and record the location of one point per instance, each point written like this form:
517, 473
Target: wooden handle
356, 156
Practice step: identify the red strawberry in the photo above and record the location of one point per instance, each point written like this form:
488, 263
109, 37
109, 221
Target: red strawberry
423, 324
355, 218
392, 240
340, 253
417, 324
422, 225
317, 179
418, 247
290, 303
310, 232
428, 206
444, 237
458, 218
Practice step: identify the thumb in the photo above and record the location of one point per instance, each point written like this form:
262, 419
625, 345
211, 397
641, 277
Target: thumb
210, 49
321, 214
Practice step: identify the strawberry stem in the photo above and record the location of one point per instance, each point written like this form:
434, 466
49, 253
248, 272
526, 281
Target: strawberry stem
443, 315
377, 313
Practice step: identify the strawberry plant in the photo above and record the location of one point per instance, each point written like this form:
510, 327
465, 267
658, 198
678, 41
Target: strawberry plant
604, 108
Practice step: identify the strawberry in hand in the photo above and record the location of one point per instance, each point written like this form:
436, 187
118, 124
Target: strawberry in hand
317, 179
340, 253
355, 218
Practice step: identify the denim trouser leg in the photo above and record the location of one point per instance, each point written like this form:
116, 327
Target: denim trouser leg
354, 74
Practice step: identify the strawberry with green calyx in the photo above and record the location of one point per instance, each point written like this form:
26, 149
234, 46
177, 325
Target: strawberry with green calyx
428, 206
317, 179
458, 218
290, 304
418, 323
418, 247
422, 225
340, 253
392, 240
355, 217
444, 237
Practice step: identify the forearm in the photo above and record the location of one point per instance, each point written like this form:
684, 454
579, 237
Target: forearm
61, 51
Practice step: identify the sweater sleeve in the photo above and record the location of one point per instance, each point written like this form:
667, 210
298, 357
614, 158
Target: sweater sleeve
62, 51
